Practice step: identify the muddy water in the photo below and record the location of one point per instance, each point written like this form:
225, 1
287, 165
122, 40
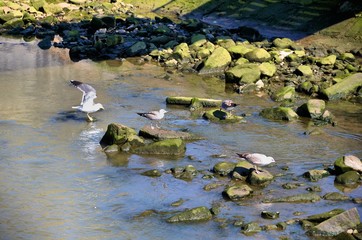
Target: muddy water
56, 183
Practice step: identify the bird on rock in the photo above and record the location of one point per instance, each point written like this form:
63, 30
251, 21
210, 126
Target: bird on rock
257, 159
87, 104
228, 105
154, 116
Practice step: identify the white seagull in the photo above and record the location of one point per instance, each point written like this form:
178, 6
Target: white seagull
256, 159
89, 94
228, 105
154, 115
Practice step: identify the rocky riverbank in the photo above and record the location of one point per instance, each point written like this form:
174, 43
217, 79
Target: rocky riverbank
243, 57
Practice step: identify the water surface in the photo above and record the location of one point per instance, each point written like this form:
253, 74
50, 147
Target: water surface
56, 183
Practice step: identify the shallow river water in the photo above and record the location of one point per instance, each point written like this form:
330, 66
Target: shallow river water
56, 183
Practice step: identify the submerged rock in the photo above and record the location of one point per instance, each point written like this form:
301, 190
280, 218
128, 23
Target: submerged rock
335, 196
262, 178
191, 215
269, 215
285, 93
250, 228
348, 178
316, 174
120, 134
224, 168
299, 198
206, 102
318, 218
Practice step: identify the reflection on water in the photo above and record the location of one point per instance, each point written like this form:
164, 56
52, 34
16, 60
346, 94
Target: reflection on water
57, 183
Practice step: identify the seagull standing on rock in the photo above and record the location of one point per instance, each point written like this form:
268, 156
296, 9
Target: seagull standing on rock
228, 105
154, 115
87, 104
257, 159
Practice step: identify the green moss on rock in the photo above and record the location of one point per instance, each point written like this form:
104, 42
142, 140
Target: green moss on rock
163, 147
192, 215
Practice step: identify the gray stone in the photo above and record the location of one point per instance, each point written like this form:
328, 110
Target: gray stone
191, 215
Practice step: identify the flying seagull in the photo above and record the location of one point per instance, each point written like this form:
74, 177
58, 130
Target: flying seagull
154, 115
89, 94
228, 105
257, 159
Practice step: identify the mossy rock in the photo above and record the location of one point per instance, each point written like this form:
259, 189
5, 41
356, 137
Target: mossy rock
344, 88
313, 108
243, 74
283, 43
224, 168
304, 70
347, 163
250, 228
243, 168
218, 60
240, 50
163, 147
258, 55
348, 178
222, 117
285, 93
335, 196
316, 174
162, 134
117, 134
318, 218
182, 52
279, 113
237, 192
152, 173
329, 60
206, 102
298, 198
268, 69
262, 178
191, 215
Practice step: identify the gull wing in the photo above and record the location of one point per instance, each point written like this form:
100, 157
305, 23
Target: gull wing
89, 93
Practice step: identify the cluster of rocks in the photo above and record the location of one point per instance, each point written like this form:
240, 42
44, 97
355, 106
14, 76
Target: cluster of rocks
109, 30
239, 179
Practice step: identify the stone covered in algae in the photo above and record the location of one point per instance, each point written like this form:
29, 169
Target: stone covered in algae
120, 134
191, 215
163, 147
298, 198
206, 102
279, 113
219, 116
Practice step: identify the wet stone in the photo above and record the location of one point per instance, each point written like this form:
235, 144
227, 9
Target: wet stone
191, 215
269, 215
224, 168
335, 196
251, 228
152, 173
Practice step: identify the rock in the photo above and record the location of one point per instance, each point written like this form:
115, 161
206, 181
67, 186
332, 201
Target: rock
222, 117
335, 196
348, 163
212, 186
348, 178
268, 69
314, 109
283, 43
152, 173
163, 147
269, 215
45, 43
138, 48
250, 228
285, 93
329, 60
187, 101
299, 198
240, 50
119, 134
185, 173
344, 88
316, 174
224, 168
262, 178
243, 168
279, 113
237, 192
258, 55
182, 53
318, 218
337, 224
225, 42
192, 215
218, 60
347, 56
162, 134
304, 70
243, 74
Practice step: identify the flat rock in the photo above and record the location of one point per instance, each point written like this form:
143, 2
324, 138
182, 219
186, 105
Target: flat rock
191, 215
162, 134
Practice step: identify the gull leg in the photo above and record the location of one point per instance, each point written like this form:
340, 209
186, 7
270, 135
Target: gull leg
256, 169
152, 127
90, 118
157, 125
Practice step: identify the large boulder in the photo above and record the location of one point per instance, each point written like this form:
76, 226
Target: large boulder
118, 134
224, 168
268, 69
218, 60
182, 53
344, 88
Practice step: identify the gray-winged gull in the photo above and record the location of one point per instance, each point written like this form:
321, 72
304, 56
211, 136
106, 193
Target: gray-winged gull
154, 115
257, 159
87, 104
